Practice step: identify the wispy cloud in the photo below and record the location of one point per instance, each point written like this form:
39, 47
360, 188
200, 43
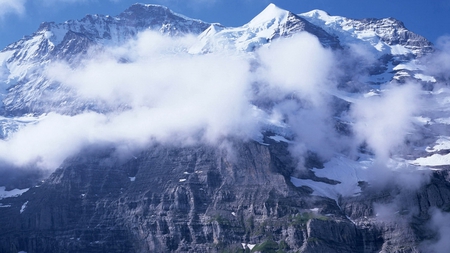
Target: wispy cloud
169, 96
49, 2
384, 121
160, 93
18, 7
12, 7
439, 224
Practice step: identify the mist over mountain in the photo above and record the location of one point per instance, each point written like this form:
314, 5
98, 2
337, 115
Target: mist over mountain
153, 132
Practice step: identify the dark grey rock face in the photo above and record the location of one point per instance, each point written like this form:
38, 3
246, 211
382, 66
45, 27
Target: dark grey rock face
170, 199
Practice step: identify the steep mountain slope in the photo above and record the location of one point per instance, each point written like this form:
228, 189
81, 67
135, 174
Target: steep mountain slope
291, 133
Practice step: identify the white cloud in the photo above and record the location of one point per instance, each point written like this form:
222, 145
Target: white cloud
159, 92
384, 121
172, 96
48, 2
440, 224
438, 63
297, 65
18, 6
12, 6
299, 68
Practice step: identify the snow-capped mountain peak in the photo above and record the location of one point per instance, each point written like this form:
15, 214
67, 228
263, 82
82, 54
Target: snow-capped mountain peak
270, 16
273, 22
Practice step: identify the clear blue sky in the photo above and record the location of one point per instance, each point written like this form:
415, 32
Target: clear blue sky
22, 17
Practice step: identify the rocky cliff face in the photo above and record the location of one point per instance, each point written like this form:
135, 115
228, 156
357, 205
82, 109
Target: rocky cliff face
192, 199
204, 199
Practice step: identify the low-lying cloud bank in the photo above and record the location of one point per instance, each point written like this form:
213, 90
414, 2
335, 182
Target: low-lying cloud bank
158, 92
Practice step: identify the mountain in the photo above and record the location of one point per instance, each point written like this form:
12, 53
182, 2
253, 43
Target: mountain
154, 132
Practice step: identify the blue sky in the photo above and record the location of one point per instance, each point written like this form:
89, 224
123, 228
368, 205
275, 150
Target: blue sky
22, 17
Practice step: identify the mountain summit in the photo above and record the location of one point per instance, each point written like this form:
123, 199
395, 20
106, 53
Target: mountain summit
273, 22
271, 15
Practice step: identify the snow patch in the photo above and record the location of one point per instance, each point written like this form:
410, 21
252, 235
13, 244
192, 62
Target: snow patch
411, 65
12, 193
23, 207
371, 94
399, 50
425, 78
248, 245
434, 160
347, 172
443, 143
